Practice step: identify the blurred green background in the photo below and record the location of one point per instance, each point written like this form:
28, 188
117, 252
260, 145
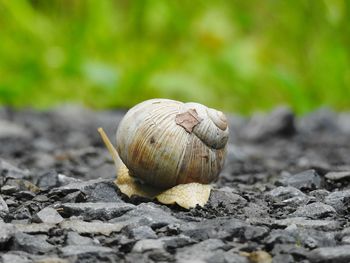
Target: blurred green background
237, 56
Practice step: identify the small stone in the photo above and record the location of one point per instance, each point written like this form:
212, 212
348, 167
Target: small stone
13, 130
306, 180
75, 239
66, 180
159, 256
34, 228
284, 192
52, 259
255, 232
337, 176
75, 197
48, 180
11, 202
344, 122
288, 195
148, 214
9, 189
201, 251
15, 258
346, 240
83, 250
291, 249
31, 243
321, 120
91, 211
7, 170
23, 187
3, 206
256, 210
48, 215
314, 210
7, 231
25, 195
230, 256
283, 258
168, 243
95, 227
281, 236
218, 228
41, 198
309, 223
345, 236
306, 237
339, 254
279, 122
319, 194
226, 198
142, 232
338, 200
22, 213
99, 190
147, 244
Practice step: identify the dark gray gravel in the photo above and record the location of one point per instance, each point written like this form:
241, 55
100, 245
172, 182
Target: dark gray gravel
283, 196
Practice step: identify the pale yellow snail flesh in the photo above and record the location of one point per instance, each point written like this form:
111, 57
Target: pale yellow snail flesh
175, 149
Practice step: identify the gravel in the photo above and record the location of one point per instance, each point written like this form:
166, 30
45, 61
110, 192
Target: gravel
283, 195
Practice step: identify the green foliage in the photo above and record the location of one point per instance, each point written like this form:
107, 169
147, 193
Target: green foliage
233, 55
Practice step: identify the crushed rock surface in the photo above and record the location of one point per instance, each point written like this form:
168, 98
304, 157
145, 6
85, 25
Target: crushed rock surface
283, 196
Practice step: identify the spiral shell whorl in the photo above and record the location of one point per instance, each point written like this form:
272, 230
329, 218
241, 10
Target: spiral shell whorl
212, 130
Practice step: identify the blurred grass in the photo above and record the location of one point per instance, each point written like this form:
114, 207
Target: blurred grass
233, 55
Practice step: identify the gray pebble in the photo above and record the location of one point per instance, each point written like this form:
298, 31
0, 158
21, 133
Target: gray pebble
83, 250
226, 198
319, 194
75, 239
41, 228
325, 225
98, 190
31, 243
337, 176
339, 254
91, 211
142, 232
7, 231
10, 171
95, 227
13, 130
288, 195
147, 214
3, 206
337, 198
201, 251
48, 215
314, 210
306, 180
280, 122
15, 257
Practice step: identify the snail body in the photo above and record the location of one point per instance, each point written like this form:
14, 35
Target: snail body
165, 142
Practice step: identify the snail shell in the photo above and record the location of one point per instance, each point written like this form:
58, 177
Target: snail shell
165, 142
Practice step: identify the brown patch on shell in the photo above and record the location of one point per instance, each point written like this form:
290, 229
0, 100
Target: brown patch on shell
188, 120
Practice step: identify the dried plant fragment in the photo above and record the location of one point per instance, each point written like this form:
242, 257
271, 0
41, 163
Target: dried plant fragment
129, 186
186, 195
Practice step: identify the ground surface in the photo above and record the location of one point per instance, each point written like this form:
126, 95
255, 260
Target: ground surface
284, 193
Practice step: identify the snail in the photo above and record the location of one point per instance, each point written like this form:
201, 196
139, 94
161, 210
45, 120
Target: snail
163, 144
